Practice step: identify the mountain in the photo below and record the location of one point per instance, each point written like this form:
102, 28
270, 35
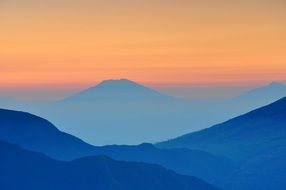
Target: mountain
117, 91
241, 137
37, 134
104, 113
22, 169
257, 140
184, 161
263, 95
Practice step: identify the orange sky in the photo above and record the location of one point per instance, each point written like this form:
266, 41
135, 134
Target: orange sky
218, 42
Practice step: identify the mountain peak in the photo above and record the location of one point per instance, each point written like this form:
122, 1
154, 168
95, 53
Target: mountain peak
122, 80
118, 90
117, 80
276, 84
266, 94
117, 83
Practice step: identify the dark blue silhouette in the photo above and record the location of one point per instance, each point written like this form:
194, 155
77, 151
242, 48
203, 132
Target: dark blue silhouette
257, 140
36, 134
22, 169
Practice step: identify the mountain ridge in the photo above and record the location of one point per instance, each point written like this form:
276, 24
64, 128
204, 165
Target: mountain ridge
249, 125
256, 140
268, 93
65, 147
23, 169
90, 118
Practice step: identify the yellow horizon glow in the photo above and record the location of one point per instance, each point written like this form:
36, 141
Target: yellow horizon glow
198, 42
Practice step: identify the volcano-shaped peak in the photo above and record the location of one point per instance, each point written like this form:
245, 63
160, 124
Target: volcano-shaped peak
120, 83
118, 90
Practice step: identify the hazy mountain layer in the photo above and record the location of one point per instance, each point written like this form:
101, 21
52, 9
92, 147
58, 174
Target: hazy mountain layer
22, 169
124, 112
34, 133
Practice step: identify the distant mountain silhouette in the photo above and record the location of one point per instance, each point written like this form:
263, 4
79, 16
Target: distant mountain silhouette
263, 95
36, 134
124, 112
117, 90
22, 169
257, 140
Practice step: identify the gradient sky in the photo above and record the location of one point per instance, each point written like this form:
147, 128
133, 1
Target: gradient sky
64, 43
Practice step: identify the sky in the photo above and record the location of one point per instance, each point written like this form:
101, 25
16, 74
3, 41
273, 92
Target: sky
65, 45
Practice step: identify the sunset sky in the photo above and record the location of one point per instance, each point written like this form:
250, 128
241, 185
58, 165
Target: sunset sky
67, 43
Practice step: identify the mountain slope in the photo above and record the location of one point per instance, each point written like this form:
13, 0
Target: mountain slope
241, 137
263, 95
257, 140
262, 171
101, 114
36, 134
22, 169
184, 161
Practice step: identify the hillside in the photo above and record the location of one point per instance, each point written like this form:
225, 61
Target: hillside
242, 137
37, 134
22, 169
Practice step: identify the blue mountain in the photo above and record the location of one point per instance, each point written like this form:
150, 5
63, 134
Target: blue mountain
103, 113
257, 140
241, 137
125, 112
260, 96
269, 93
23, 169
116, 91
37, 134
